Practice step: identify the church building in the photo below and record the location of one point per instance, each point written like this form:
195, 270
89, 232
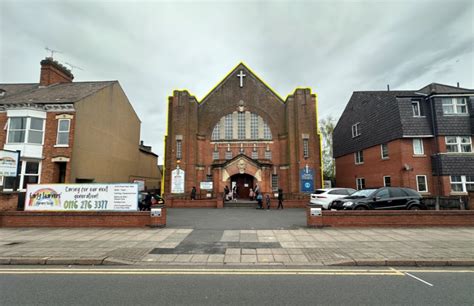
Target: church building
242, 134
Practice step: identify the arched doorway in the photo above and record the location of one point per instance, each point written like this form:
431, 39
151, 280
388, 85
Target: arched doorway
243, 182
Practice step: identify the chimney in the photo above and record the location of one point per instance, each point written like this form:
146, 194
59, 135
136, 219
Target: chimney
53, 72
388, 87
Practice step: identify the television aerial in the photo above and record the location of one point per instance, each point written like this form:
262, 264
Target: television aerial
52, 51
73, 66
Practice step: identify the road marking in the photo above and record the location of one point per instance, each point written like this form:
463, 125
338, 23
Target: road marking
417, 278
204, 271
436, 271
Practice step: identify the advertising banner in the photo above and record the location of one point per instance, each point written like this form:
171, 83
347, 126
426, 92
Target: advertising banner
177, 181
8, 163
307, 180
82, 197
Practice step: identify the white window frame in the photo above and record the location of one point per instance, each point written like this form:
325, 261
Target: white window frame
415, 106
359, 157
385, 182
454, 103
422, 147
240, 125
27, 130
58, 132
463, 183
360, 183
381, 150
418, 185
356, 130
22, 174
228, 127
458, 144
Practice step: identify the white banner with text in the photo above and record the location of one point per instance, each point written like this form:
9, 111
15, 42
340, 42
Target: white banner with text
82, 197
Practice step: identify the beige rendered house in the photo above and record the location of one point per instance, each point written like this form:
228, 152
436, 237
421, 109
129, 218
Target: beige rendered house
73, 132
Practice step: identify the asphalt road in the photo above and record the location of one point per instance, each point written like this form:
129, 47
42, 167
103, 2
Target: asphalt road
235, 218
241, 287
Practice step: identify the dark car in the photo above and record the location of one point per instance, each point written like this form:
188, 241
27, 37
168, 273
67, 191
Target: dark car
381, 198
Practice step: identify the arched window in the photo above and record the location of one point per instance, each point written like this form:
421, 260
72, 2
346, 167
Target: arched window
248, 126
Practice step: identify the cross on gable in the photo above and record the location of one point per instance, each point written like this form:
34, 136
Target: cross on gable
241, 75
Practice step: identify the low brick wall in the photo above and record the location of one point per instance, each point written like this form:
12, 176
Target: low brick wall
179, 203
390, 218
81, 219
8, 201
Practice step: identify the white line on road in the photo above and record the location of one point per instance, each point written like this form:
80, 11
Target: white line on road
417, 278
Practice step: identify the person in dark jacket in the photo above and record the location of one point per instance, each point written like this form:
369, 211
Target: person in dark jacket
280, 198
193, 193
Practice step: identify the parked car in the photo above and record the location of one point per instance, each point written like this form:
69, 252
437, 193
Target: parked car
381, 198
325, 196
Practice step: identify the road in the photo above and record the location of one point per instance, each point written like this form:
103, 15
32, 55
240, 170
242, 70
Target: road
125, 286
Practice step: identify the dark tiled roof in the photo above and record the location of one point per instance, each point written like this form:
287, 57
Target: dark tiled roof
435, 88
58, 93
378, 116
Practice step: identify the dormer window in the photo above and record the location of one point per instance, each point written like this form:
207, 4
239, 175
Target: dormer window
356, 130
415, 105
454, 106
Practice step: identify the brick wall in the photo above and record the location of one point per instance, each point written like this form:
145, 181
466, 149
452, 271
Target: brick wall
8, 201
375, 168
81, 219
390, 218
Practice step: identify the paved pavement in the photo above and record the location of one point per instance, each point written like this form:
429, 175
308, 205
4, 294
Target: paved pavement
203, 246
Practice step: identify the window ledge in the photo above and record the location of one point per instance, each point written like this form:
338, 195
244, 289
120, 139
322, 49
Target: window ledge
419, 155
61, 146
456, 115
357, 164
458, 193
419, 116
386, 158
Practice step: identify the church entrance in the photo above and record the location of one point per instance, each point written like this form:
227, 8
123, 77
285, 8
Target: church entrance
243, 182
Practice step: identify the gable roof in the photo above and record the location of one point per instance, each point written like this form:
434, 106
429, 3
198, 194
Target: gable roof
436, 88
57, 93
241, 65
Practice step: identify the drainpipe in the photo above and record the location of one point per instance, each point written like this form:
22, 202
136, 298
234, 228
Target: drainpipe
436, 153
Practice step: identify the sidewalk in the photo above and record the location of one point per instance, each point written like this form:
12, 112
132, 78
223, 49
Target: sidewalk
283, 247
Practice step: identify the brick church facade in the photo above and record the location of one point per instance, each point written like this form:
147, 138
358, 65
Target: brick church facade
242, 133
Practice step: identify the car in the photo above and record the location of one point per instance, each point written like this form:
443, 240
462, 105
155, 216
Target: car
380, 198
325, 196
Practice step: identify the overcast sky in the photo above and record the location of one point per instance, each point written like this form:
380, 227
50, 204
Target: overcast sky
153, 47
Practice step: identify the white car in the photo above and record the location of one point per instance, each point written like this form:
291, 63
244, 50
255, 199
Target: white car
324, 197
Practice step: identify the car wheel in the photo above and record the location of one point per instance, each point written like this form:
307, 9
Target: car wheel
415, 207
361, 208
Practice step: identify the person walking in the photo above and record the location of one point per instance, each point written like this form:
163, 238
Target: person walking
193, 193
235, 191
259, 201
226, 192
267, 201
280, 198
256, 189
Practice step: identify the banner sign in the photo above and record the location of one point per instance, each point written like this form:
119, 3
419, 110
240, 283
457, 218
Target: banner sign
8, 163
206, 185
307, 180
82, 197
177, 181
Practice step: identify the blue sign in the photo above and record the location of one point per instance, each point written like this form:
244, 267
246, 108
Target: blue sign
307, 180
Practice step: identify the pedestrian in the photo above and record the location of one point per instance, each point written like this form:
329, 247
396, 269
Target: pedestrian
146, 202
235, 191
251, 194
280, 198
260, 201
256, 189
267, 201
193, 193
226, 193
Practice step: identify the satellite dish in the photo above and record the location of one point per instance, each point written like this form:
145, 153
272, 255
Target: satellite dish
407, 167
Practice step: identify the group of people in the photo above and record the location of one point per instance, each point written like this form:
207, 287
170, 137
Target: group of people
230, 195
254, 194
